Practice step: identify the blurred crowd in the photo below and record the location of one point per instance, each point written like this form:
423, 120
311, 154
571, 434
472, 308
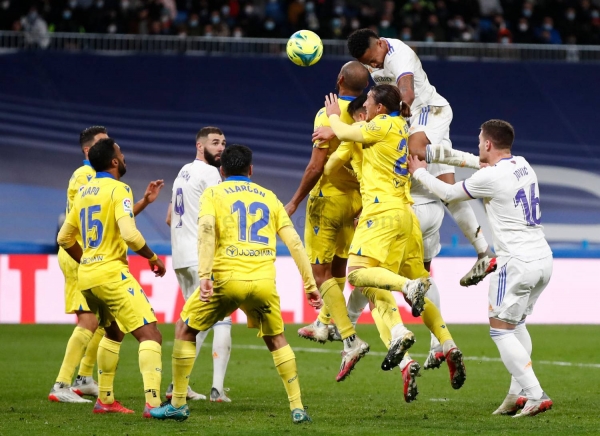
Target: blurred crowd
503, 21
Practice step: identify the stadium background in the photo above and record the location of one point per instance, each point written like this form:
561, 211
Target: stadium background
154, 102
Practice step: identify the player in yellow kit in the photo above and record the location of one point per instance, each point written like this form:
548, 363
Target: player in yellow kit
102, 214
86, 336
333, 203
388, 239
238, 224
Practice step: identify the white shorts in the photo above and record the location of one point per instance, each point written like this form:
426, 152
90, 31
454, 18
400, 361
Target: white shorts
515, 287
430, 216
188, 282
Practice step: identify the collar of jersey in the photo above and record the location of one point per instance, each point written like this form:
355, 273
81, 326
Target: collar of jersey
104, 175
346, 97
238, 179
506, 158
87, 162
394, 114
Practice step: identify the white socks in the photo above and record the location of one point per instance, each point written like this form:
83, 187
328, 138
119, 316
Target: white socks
356, 304
434, 295
465, 219
221, 350
517, 360
522, 334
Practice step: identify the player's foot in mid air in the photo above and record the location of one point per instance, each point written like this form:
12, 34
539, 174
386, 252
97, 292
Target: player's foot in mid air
409, 378
434, 359
85, 385
534, 407
398, 348
354, 349
191, 395
484, 266
456, 366
299, 416
415, 291
62, 393
219, 397
317, 331
167, 411
115, 407
511, 404
334, 333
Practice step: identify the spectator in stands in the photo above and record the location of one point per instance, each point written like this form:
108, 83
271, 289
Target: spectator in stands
36, 29
547, 34
523, 34
435, 29
387, 30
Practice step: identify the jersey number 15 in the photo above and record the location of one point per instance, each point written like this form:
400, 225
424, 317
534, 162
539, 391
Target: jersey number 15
91, 225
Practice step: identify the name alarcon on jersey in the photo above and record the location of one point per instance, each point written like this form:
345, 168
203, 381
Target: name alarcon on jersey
244, 188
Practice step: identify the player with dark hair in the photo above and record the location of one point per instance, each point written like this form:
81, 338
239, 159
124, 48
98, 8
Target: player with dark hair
102, 214
237, 229
189, 185
82, 347
510, 192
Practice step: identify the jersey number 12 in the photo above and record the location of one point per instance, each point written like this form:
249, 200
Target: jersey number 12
251, 233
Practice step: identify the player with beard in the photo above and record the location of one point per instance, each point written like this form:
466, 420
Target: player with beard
182, 217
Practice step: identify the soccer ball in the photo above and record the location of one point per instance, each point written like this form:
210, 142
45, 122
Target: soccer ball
304, 48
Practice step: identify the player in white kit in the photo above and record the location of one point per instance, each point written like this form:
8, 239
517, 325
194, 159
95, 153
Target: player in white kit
392, 62
182, 217
510, 192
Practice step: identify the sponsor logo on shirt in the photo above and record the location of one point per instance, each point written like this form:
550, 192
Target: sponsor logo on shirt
233, 251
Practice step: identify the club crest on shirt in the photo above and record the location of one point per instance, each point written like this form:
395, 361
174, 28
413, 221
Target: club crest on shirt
127, 205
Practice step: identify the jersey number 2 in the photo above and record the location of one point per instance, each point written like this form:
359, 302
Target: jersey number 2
400, 165
91, 225
530, 207
252, 233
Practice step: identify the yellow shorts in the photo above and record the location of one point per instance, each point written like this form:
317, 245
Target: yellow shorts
123, 301
383, 233
74, 299
412, 266
330, 226
257, 298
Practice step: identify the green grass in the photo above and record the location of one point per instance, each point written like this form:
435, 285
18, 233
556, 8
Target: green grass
369, 402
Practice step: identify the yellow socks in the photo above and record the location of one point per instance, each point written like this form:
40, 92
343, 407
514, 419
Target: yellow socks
108, 358
324, 315
184, 355
75, 349
86, 367
334, 299
285, 363
149, 355
386, 305
377, 277
432, 318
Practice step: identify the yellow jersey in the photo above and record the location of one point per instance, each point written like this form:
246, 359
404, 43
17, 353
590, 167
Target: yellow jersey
341, 182
385, 177
95, 212
247, 219
80, 177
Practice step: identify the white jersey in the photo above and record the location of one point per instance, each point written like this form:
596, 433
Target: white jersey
400, 61
189, 185
511, 197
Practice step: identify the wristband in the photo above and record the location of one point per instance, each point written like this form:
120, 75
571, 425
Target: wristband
153, 258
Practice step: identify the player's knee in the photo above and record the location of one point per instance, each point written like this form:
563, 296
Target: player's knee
87, 320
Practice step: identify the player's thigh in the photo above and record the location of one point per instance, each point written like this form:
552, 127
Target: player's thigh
226, 298
188, 280
98, 307
510, 290
435, 122
430, 217
74, 299
350, 206
324, 221
127, 303
412, 266
544, 266
263, 309
382, 234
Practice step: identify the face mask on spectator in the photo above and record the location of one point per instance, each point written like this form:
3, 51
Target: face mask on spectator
249, 10
269, 25
225, 10
523, 27
73, 4
570, 16
505, 40
595, 14
336, 23
125, 4
310, 6
237, 34
5, 4
459, 24
100, 4
527, 13
547, 26
208, 34
429, 39
215, 19
385, 24
32, 16
194, 23
112, 28
406, 36
67, 14
355, 24
466, 36
339, 10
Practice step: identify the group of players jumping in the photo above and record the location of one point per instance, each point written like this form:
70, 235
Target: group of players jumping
367, 221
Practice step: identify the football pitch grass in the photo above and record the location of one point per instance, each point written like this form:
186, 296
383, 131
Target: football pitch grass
370, 401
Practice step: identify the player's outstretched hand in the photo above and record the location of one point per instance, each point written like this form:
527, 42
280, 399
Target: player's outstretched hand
314, 299
331, 105
414, 163
290, 208
206, 290
322, 135
157, 267
153, 190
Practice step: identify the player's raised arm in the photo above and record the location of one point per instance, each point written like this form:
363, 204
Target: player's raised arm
150, 195
312, 174
290, 238
343, 131
445, 154
447, 192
